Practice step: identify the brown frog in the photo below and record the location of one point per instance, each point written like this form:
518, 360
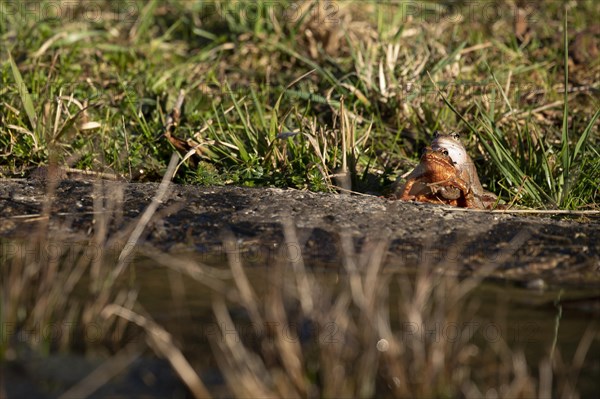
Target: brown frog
464, 165
437, 180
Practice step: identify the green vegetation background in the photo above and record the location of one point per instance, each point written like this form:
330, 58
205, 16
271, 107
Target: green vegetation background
311, 95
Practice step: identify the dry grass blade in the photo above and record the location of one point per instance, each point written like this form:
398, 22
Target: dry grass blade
207, 275
247, 294
125, 256
350, 264
175, 115
244, 371
298, 79
104, 373
521, 384
162, 343
582, 349
303, 280
289, 350
375, 262
545, 379
91, 173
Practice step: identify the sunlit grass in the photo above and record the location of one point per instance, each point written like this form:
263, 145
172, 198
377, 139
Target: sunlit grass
254, 72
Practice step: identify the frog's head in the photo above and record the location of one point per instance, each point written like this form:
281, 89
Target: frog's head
451, 143
452, 135
437, 158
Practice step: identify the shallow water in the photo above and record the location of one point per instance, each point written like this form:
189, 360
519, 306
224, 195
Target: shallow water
535, 322
497, 312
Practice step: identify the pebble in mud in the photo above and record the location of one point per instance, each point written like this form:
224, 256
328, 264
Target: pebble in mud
536, 284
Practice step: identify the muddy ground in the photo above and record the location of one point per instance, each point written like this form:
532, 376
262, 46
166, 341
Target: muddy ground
529, 250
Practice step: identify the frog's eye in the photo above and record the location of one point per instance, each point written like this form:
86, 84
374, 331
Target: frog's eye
455, 136
445, 152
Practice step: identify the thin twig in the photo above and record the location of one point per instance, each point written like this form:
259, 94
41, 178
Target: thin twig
172, 122
101, 175
526, 211
519, 112
175, 115
351, 191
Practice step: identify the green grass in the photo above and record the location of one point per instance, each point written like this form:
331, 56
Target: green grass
363, 85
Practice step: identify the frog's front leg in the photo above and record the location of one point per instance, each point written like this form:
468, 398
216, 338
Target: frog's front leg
473, 202
465, 192
405, 191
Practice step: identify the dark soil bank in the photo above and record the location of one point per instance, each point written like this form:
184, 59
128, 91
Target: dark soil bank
532, 250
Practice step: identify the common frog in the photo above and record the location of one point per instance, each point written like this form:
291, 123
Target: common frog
464, 165
437, 180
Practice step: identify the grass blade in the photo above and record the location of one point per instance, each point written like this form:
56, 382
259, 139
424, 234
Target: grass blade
23, 92
584, 136
566, 161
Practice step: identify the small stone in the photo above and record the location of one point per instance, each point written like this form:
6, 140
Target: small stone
536, 284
